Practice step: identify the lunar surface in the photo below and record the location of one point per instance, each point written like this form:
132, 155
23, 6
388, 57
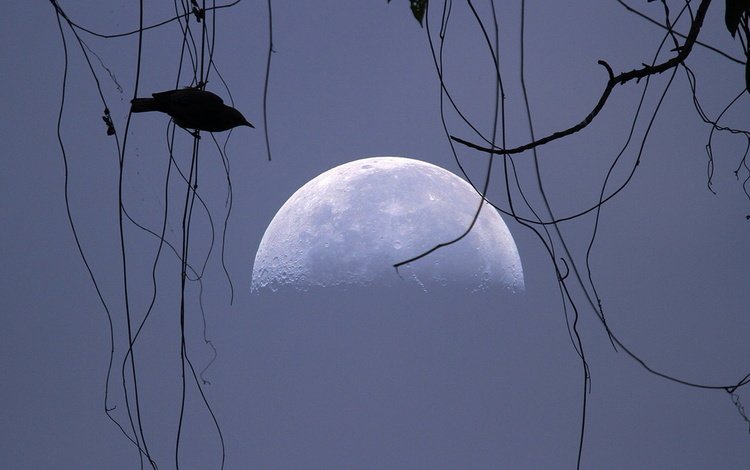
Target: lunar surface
349, 225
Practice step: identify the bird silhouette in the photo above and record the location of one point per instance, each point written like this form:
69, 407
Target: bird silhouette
192, 108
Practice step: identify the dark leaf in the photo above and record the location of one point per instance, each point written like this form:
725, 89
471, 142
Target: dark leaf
733, 14
418, 7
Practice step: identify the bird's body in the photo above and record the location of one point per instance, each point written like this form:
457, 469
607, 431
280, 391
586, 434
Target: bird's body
192, 108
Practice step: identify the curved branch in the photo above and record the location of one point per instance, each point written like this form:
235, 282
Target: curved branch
614, 80
702, 44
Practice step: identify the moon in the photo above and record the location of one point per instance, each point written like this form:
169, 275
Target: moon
351, 224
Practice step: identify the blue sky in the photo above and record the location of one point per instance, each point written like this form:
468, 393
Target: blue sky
373, 379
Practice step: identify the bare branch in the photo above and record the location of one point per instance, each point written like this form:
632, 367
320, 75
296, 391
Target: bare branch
621, 79
699, 43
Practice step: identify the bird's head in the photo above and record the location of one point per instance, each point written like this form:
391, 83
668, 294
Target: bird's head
237, 119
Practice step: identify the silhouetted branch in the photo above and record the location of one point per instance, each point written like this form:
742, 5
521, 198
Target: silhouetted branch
699, 43
614, 80
267, 80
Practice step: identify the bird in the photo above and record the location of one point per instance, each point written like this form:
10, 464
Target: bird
192, 108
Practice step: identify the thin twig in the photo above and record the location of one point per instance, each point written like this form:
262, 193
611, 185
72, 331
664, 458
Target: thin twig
614, 80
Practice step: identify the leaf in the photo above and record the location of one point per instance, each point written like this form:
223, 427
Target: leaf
733, 14
418, 7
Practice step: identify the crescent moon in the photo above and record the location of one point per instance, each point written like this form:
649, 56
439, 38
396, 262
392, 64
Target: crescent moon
349, 225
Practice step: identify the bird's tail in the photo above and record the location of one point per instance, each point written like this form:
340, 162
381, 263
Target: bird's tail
143, 105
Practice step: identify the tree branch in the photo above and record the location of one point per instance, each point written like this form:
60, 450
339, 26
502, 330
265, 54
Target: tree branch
614, 80
699, 43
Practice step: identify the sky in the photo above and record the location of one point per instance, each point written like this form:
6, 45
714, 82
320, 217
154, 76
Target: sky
375, 377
